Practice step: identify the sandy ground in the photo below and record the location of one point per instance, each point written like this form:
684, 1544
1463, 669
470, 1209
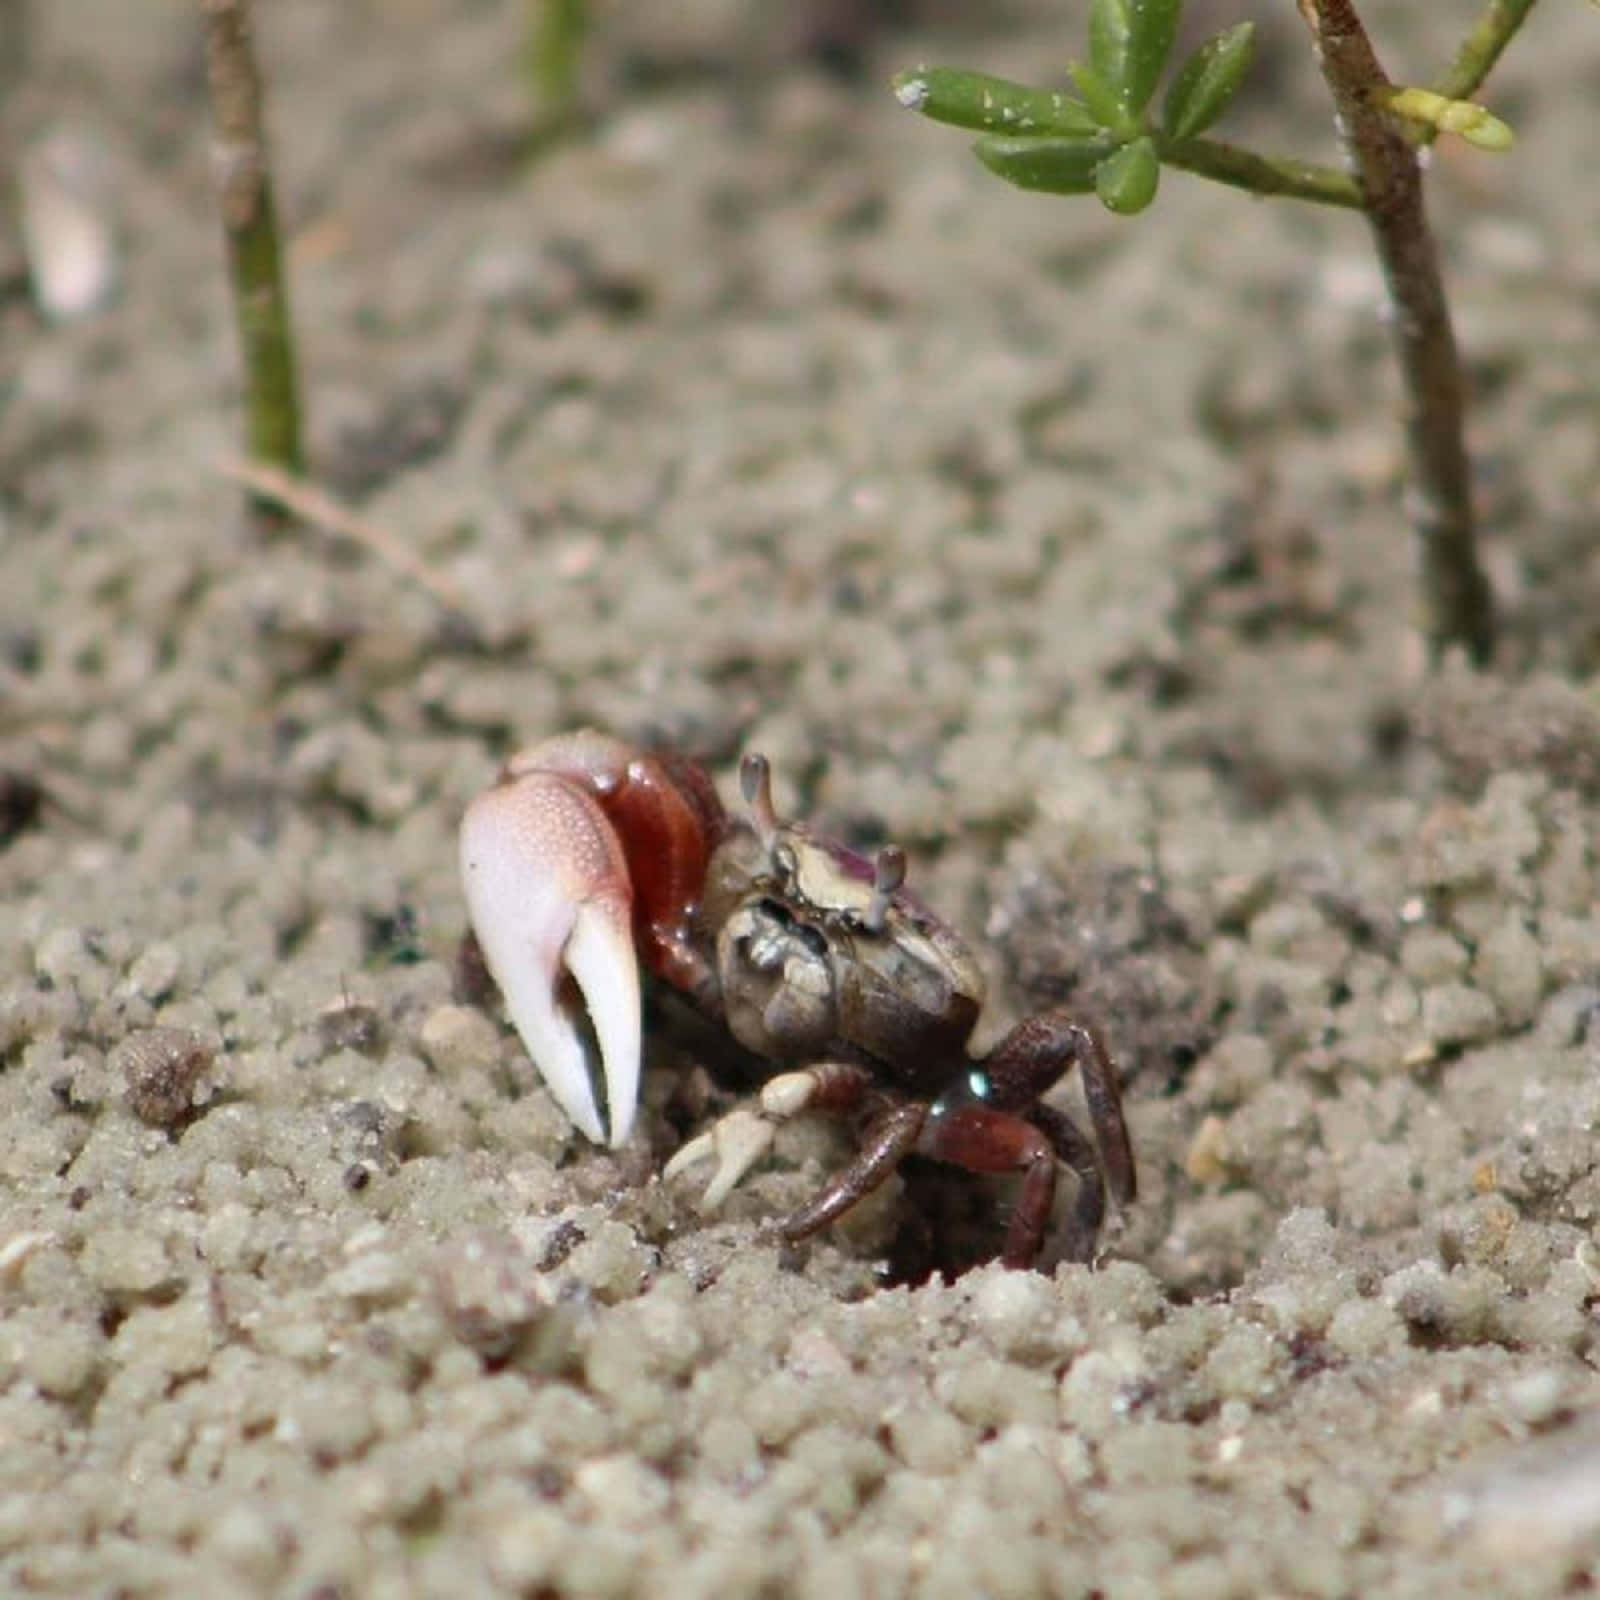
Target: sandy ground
1064, 550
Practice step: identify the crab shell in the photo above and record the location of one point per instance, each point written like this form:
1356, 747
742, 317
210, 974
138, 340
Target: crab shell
813, 965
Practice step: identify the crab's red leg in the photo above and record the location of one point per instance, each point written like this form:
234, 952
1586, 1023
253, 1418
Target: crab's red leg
885, 1144
1037, 1052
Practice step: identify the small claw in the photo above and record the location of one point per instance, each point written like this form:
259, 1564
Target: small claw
742, 1137
736, 1143
700, 1148
549, 900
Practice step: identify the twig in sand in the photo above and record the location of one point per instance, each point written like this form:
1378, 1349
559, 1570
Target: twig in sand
321, 510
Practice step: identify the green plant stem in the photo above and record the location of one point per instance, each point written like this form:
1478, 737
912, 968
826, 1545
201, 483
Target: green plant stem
244, 188
552, 54
1264, 175
1460, 607
1481, 48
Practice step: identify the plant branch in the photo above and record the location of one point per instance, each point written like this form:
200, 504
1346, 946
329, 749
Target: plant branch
1481, 48
244, 189
552, 55
1460, 607
1263, 175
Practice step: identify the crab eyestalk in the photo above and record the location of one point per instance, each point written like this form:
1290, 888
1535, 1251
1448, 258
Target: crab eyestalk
755, 784
888, 873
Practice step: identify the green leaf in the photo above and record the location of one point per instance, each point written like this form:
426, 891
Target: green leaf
1129, 42
1208, 81
1108, 41
1054, 166
1102, 104
991, 105
1126, 180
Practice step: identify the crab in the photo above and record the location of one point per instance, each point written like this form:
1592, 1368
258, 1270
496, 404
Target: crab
589, 859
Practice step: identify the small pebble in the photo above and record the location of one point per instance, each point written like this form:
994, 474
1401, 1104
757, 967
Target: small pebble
164, 1071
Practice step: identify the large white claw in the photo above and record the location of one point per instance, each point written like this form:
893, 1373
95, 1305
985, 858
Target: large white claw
549, 900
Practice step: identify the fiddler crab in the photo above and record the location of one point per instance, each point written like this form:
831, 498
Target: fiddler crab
588, 858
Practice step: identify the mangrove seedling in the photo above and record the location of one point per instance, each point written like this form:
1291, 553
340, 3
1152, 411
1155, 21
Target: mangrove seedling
1106, 137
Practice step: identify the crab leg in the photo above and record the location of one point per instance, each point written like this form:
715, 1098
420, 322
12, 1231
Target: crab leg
740, 1139
549, 899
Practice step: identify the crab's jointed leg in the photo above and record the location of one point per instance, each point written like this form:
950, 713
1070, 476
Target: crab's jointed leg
736, 1142
739, 1140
